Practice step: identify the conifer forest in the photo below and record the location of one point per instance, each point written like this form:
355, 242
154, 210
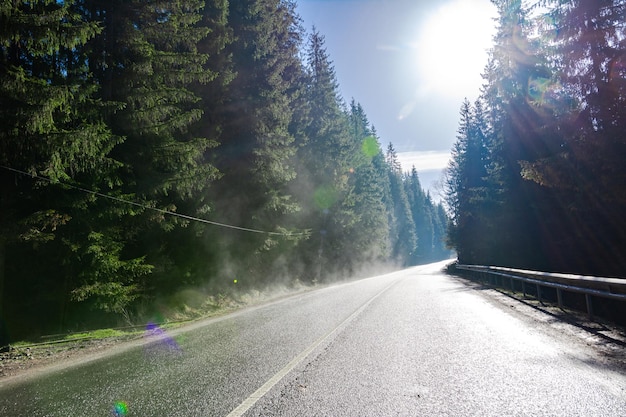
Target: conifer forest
537, 178
148, 147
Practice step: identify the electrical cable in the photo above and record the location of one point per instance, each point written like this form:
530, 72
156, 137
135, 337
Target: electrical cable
161, 211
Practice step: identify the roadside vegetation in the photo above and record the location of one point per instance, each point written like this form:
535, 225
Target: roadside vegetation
150, 149
34, 353
537, 175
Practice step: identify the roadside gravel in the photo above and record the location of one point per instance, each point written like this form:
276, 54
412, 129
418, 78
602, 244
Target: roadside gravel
20, 360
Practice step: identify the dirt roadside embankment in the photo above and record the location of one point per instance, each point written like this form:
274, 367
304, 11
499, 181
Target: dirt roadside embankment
23, 359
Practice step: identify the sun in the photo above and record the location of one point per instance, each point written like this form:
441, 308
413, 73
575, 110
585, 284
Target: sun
452, 47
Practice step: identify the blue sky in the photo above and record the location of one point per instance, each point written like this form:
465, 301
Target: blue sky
409, 63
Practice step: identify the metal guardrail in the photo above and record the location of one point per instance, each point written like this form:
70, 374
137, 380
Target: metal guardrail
613, 288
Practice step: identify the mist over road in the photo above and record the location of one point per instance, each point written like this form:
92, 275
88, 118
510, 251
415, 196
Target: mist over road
411, 343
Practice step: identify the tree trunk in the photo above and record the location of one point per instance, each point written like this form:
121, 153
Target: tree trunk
4, 338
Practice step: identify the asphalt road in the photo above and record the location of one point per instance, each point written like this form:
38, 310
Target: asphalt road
411, 343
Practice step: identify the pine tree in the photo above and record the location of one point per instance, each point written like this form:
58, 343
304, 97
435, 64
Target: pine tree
52, 128
257, 146
515, 125
583, 174
146, 61
458, 189
422, 217
195, 262
440, 223
403, 237
324, 173
370, 235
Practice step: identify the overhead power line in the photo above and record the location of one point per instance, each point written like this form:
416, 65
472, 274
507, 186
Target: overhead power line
158, 210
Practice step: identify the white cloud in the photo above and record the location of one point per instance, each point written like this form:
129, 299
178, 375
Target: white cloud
424, 160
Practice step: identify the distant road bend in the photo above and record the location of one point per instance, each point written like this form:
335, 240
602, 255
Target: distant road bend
411, 343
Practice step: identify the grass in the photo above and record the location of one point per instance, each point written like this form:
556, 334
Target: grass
176, 312
98, 334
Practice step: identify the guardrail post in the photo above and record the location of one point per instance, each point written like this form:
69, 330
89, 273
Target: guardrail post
589, 306
589, 286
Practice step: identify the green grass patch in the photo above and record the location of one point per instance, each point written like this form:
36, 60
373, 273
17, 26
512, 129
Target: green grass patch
21, 343
97, 334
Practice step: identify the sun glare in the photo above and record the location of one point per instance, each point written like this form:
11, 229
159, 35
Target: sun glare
452, 48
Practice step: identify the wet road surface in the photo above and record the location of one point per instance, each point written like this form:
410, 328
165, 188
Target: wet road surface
410, 343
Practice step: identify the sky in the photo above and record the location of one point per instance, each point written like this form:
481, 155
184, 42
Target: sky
410, 64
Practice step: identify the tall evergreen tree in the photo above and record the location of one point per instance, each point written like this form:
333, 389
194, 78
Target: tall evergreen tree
369, 237
422, 217
146, 61
440, 223
515, 135
475, 191
325, 168
584, 172
257, 147
196, 248
403, 237
52, 128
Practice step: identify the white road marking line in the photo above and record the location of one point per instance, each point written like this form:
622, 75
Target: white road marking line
264, 389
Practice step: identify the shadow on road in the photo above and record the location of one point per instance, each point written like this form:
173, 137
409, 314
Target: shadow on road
606, 338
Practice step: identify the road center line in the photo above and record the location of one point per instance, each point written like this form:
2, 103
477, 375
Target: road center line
264, 389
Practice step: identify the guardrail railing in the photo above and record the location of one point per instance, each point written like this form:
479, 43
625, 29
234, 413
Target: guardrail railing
612, 288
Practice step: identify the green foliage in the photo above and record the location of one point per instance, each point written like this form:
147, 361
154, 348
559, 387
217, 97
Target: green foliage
115, 114
107, 281
370, 147
431, 222
96, 334
402, 226
51, 126
551, 178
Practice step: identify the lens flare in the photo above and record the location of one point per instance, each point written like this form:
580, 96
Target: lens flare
370, 147
160, 343
537, 88
325, 196
120, 408
543, 91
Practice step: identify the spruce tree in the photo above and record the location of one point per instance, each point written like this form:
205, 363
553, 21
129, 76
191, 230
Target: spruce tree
422, 217
325, 163
583, 175
402, 227
369, 237
440, 224
146, 61
53, 129
257, 147
514, 125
